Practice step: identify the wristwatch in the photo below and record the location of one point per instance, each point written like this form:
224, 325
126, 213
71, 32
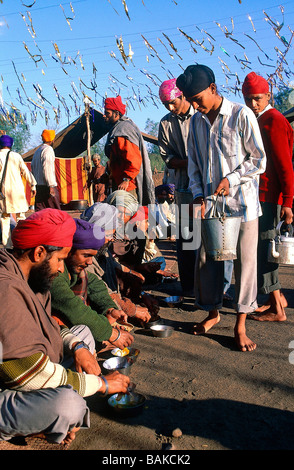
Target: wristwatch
126, 179
80, 345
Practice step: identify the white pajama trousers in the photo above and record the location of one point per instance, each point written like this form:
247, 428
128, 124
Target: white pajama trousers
209, 274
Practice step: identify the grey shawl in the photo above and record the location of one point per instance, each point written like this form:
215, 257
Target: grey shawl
126, 128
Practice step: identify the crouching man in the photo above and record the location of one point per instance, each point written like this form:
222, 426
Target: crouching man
38, 395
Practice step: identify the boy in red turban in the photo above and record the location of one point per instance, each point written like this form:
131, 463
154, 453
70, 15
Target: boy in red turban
275, 192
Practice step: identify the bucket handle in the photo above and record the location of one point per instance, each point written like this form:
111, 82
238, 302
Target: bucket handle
278, 228
215, 212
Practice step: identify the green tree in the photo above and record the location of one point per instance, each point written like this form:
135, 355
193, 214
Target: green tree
156, 161
16, 127
284, 99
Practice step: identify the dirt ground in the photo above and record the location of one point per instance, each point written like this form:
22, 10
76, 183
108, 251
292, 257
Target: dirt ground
219, 398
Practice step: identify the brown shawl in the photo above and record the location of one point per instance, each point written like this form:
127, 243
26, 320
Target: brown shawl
26, 326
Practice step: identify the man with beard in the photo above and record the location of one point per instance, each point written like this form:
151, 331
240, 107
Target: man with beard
80, 297
129, 162
38, 394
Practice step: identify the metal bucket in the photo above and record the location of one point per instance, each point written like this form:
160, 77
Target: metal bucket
281, 249
220, 234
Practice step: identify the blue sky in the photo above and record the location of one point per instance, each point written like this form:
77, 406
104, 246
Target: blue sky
55, 52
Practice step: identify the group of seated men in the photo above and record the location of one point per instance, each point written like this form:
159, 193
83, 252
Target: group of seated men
67, 285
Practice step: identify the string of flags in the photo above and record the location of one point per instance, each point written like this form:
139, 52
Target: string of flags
232, 50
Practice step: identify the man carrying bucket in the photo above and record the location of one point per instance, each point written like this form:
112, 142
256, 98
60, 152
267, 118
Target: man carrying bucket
275, 191
225, 156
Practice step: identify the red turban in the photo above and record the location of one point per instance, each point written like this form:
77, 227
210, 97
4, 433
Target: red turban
46, 227
115, 104
254, 84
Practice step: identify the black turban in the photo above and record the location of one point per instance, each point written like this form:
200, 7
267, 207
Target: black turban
195, 79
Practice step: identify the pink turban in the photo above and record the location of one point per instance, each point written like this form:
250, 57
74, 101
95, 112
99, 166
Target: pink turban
168, 90
46, 227
254, 84
115, 104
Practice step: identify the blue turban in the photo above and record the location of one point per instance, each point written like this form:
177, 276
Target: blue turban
6, 141
87, 236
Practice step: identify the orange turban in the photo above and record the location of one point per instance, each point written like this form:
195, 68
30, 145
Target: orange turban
254, 84
48, 135
115, 104
46, 227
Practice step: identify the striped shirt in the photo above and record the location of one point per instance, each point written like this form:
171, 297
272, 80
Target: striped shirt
43, 166
231, 147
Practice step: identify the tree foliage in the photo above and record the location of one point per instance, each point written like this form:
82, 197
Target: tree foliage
15, 127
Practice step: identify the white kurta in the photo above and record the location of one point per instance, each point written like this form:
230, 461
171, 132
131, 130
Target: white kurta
13, 187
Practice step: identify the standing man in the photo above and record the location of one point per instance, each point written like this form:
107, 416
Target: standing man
225, 156
172, 141
43, 169
275, 191
95, 179
129, 162
14, 201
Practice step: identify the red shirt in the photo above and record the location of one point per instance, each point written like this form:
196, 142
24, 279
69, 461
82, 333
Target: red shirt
125, 161
277, 182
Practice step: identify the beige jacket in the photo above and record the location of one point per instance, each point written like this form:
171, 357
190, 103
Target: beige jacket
13, 187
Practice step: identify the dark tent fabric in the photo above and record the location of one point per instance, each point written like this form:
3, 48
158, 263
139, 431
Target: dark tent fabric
289, 114
72, 141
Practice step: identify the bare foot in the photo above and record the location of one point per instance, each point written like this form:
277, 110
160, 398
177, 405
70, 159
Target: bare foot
269, 303
210, 321
71, 435
267, 316
243, 342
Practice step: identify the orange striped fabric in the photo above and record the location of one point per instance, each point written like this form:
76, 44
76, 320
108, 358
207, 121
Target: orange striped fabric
71, 178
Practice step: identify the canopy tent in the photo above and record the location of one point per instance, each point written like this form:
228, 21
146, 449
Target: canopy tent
70, 169
72, 141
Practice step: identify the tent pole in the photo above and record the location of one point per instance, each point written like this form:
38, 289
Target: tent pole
88, 164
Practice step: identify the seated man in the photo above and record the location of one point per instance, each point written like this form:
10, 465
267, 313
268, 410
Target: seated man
107, 268
80, 297
38, 394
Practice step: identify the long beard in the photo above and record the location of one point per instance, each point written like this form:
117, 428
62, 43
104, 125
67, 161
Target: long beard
41, 278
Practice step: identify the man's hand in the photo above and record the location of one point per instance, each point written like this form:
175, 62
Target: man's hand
124, 185
198, 205
287, 215
86, 362
115, 314
122, 340
223, 188
117, 383
142, 313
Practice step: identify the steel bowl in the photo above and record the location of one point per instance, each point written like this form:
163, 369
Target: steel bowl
128, 404
162, 331
123, 325
121, 364
132, 353
156, 321
78, 204
173, 301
